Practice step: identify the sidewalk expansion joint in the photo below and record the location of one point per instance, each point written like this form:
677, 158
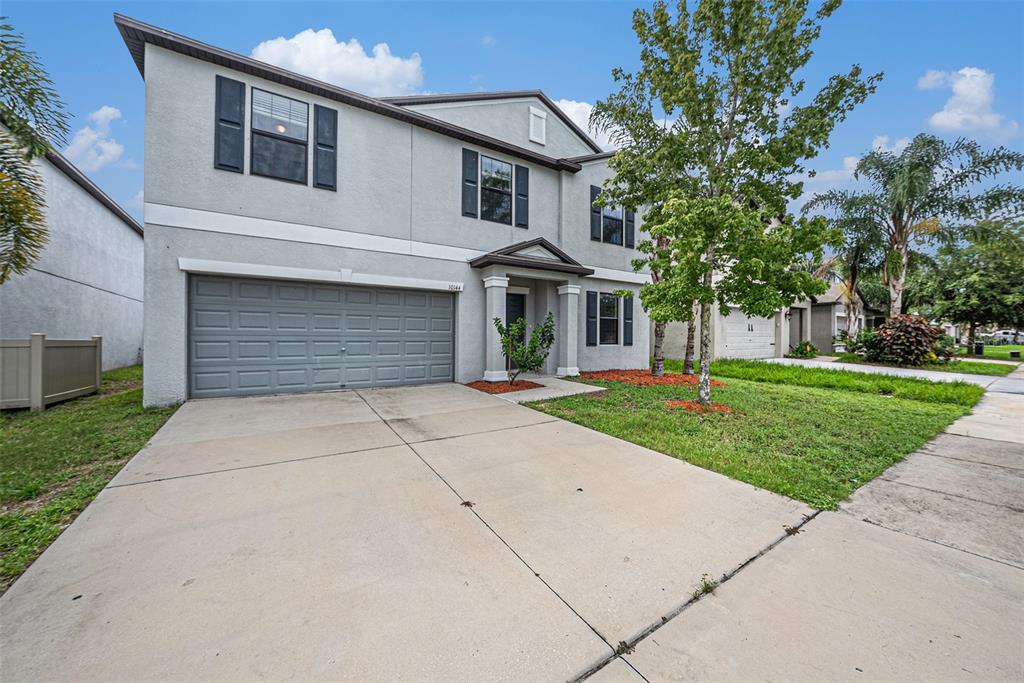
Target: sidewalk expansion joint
1011, 508
411, 446
627, 646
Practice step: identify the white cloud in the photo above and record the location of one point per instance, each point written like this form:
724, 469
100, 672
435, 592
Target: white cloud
137, 200
92, 147
320, 55
488, 41
969, 108
836, 176
579, 112
881, 144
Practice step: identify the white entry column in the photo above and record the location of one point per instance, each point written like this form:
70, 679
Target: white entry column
495, 289
568, 330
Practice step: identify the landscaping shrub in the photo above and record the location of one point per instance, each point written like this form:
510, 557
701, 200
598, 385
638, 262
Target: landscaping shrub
945, 348
804, 349
900, 340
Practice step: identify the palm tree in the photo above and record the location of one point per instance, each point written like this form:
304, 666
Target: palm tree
926, 193
32, 118
859, 252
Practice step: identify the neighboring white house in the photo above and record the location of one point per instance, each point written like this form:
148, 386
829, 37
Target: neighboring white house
89, 278
301, 236
829, 317
737, 335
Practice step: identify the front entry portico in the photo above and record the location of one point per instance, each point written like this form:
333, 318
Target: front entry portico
549, 281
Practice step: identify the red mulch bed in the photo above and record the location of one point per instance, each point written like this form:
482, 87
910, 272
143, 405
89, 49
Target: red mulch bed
502, 387
644, 378
696, 407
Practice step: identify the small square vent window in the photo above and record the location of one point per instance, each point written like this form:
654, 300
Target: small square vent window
538, 125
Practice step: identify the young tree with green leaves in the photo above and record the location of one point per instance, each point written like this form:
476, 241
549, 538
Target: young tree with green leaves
711, 145
928, 193
525, 356
981, 282
32, 118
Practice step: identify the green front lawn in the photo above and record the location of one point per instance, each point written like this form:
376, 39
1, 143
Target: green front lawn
1002, 351
810, 443
54, 462
957, 393
967, 367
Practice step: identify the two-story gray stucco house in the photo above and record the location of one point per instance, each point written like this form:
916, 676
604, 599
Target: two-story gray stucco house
88, 280
300, 236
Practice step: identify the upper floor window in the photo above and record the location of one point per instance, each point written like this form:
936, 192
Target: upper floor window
495, 190
279, 136
538, 125
611, 224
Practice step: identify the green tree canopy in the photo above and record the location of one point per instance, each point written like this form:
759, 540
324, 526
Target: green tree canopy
710, 142
928, 193
980, 282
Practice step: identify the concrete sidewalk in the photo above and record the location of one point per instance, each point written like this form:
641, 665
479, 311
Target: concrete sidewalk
919, 576
933, 375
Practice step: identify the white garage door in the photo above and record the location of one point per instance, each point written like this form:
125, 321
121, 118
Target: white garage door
747, 337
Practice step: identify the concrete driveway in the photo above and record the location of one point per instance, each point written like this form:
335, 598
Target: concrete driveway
428, 533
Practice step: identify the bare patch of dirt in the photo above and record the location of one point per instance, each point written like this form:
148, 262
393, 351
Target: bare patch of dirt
503, 387
644, 378
691, 406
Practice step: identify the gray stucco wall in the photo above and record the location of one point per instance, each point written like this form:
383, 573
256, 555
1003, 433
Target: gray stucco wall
89, 280
396, 181
509, 120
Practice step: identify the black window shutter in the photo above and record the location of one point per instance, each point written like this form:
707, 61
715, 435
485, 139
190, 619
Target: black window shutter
591, 318
522, 197
470, 164
325, 152
627, 321
595, 214
630, 229
229, 136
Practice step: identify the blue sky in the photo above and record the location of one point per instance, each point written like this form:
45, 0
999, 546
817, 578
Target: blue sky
951, 68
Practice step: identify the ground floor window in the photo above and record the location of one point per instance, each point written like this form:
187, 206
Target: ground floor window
608, 322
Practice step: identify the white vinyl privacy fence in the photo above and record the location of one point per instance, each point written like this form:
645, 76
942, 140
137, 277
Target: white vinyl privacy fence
37, 372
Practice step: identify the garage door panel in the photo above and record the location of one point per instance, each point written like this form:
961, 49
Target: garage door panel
749, 337
252, 336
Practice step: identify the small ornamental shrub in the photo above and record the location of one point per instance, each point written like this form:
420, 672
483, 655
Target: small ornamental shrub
901, 340
945, 348
804, 349
522, 356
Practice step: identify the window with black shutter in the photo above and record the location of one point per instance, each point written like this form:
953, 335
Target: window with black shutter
325, 152
229, 136
495, 190
627, 321
608, 332
611, 224
279, 137
630, 230
595, 214
591, 318
470, 180
522, 208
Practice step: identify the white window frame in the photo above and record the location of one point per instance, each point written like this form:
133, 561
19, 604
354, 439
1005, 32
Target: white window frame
541, 117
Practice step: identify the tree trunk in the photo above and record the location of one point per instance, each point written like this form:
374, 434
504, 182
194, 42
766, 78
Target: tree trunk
896, 281
970, 339
691, 328
704, 382
658, 368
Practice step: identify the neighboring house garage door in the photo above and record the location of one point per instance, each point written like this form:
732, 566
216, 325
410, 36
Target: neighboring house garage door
747, 337
251, 336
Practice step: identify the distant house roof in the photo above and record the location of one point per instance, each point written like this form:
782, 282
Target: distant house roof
137, 34
537, 253
69, 169
445, 98
834, 295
